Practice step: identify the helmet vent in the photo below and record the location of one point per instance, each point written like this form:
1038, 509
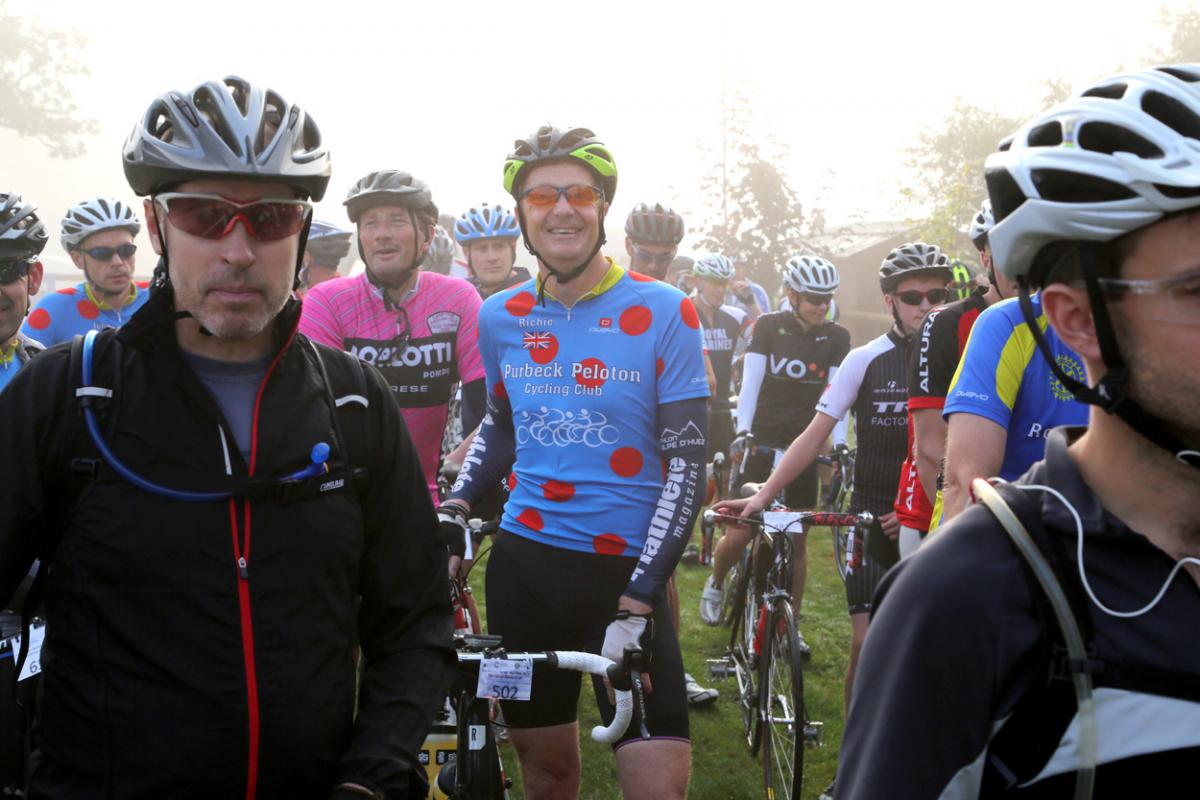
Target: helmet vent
1182, 73
1104, 137
1172, 113
1063, 186
209, 108
1178, 192
1004, 192
1113, 91
1046, 135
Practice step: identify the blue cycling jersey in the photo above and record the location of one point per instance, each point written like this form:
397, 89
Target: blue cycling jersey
1003, 377
67, 313
585, 384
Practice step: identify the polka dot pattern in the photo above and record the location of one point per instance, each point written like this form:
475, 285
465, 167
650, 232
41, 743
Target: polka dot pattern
511, 483
558, 491
637, 276
636, 320
544, 355
659, 366
626, 462
39, 319
519, 305
530, 518
87, 309
688, 311
590, 374
609, 544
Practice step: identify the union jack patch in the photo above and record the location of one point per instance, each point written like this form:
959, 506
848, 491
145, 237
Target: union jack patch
536, 340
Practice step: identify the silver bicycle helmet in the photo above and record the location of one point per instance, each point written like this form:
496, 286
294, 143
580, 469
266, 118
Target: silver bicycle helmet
1118, 157
981, 224
811, 274
657, 225
715, 266
389, 187
22, 234
226, 129
95, 215
912, 259
440, 253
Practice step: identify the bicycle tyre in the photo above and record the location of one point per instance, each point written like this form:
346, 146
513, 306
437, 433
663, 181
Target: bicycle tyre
732, 592
781, 697
751, 612
841, 504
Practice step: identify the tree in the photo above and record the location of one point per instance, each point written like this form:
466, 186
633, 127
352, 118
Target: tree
35, 72
749, 206
947, 162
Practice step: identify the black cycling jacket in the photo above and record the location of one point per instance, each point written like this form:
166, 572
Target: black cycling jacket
171, 671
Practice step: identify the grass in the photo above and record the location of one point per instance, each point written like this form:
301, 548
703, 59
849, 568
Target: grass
722, 768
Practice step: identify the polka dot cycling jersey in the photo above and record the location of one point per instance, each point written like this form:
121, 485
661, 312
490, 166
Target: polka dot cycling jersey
585, 384
61, 316
422, 349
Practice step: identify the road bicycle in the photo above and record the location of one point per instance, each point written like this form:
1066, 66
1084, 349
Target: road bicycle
847, 555
475, 771
764, 646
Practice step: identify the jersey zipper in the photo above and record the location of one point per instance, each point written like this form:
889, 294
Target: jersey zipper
241, 556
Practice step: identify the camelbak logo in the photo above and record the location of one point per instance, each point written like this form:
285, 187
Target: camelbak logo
331, 485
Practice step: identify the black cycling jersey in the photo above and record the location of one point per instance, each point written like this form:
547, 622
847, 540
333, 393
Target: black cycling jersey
961, 652
786, 370
721, 334
873, 384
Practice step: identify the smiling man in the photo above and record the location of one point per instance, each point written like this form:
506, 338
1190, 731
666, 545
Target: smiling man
98, 235
417, 327
597, 414
246, 510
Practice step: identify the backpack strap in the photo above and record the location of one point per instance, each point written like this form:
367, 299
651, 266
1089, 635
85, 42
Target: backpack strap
347, 397
1026, 740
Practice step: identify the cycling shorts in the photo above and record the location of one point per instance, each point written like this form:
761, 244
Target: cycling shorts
720, 431
878, 557
799, 494
547, 598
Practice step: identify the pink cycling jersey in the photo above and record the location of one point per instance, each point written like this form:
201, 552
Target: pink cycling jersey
423, 347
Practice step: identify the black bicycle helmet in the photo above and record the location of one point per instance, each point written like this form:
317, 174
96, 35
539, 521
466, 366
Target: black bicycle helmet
390, 187
226, 129
909, 260
22, 234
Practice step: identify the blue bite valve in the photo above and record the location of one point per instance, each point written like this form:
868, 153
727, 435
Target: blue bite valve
320, 453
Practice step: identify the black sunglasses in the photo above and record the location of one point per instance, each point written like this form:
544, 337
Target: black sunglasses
13, 270
125, 251
913, 298
818, 298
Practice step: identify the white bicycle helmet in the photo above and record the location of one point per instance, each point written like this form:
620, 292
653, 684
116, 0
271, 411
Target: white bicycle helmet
715, 266
982, 223
811, 274
1118, 157
95, 215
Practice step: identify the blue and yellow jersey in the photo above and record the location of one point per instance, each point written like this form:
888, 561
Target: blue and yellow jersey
67, 313
585, 384
1003, 377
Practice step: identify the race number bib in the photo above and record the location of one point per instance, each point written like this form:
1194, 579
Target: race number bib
502, 679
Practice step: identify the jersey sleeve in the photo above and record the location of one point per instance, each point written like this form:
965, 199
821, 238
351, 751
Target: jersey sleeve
989, 374
844, 384
761, 338
317, 320
680, 352
470, 366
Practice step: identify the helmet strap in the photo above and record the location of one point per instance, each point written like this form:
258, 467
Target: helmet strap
1111, 392
561, 276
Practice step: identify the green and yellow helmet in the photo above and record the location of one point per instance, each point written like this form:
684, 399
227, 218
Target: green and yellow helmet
549, 143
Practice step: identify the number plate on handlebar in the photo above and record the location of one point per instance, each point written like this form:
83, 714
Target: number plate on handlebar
502, 679
784, 521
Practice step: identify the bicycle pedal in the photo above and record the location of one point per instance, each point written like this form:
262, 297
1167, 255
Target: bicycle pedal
812, 733
721, 668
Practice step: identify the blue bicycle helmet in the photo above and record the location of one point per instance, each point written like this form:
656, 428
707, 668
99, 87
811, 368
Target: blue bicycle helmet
486, 222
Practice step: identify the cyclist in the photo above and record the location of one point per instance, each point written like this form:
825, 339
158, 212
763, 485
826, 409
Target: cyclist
203, 594
679, 274
792, 357
22, 239
1111, 243
940, 345
418, 327
595, 379
873, 384
725, 332
652, 237
744, 293
98, 236
326, 247
488, 236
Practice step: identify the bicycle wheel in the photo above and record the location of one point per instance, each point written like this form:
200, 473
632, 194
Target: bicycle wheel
782, 701
732, 592
841, 504
751, 648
